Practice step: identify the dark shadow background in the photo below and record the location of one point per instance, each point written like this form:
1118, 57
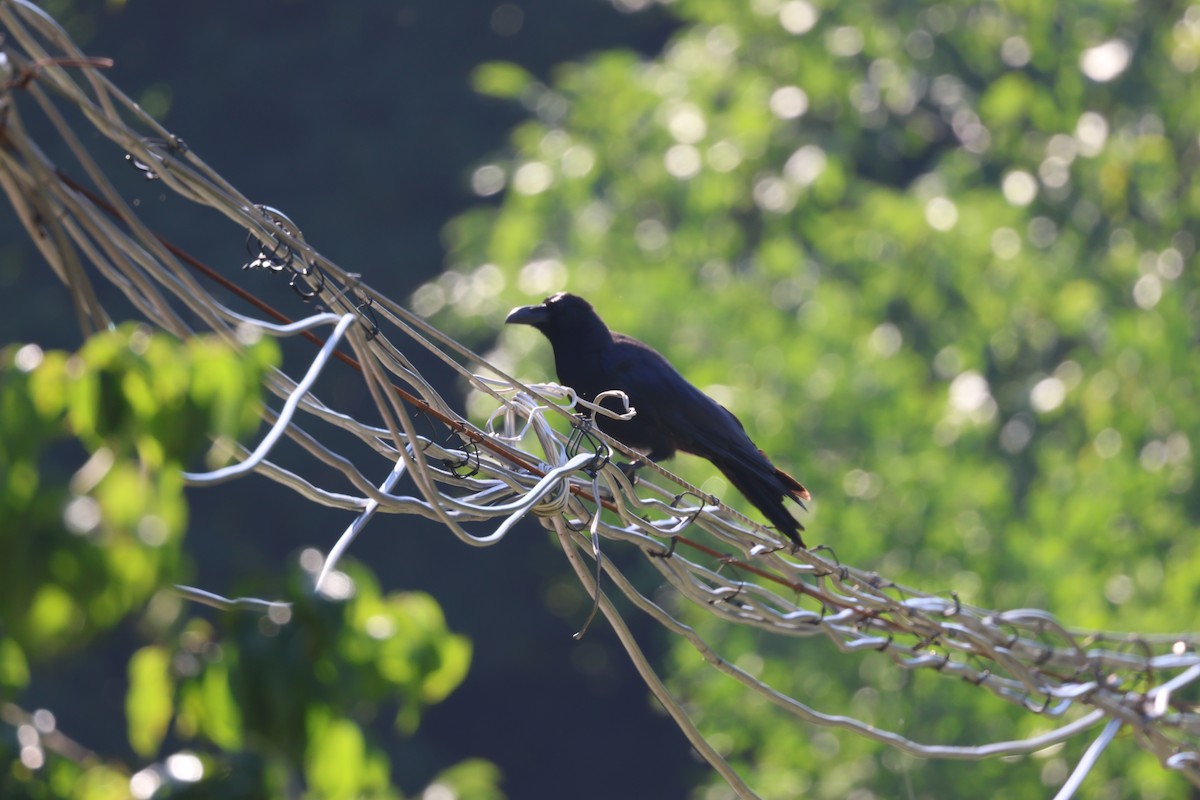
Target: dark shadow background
358, 121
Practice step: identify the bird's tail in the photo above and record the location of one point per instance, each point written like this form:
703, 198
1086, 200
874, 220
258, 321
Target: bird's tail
766, 490
793, 487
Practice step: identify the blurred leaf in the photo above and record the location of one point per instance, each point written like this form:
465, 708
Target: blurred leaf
336, 758
75, 561
149, 703
454, 660
100, 783
54, 614
220, 717
1007, 100
473, 779
14, 668
501, 79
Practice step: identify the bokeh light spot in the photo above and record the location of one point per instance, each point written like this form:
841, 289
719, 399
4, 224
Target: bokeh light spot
686, 123
1091, 131
969, 392
682, 161
788, 102
507, 20
487, 180
533, 178
805, 165
28, 358
1106, 61
185, 767
1147, 291
845, 41
1107, 443
1015, 52
798, 16
1019, 187
941, 213
1047, 395
725, 156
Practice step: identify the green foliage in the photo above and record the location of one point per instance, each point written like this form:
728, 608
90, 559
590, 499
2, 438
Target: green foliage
76, 556
148, 704
14, 668
938, 258
368, 650
500, 79
291, 691
473, 778
266, 702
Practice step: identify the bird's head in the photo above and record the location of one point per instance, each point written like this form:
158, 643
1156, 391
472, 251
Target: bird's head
558, 312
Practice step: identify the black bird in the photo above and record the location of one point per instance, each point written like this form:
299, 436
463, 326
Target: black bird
672, 414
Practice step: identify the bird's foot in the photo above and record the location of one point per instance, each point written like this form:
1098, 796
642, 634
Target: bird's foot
842, 572
667, 553
792, 547
630, 468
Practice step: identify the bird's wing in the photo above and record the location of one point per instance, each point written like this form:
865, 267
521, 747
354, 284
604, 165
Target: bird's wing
693, 422
666, 400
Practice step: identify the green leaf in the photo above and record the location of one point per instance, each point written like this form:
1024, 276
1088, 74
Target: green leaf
14, 667
53, 613
336, 758
222, 715
501, 79
473, 779
453, 663
101, 782
149, 703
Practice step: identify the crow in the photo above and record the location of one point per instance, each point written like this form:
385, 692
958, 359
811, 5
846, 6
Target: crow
672, 414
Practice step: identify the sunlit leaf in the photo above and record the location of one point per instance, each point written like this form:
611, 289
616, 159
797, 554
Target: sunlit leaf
336, 758
149, 703
500, 79
14, 667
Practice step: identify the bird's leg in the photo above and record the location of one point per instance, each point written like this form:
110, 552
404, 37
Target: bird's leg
630, 469
838, 570
667, 553
656, 454
790, 547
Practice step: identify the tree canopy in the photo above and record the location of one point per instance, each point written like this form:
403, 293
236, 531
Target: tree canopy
937, 257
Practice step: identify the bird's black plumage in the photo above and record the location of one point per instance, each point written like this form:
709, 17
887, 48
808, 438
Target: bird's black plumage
672, 414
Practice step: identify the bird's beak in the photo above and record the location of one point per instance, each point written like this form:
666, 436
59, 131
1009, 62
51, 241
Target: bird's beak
527, 315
